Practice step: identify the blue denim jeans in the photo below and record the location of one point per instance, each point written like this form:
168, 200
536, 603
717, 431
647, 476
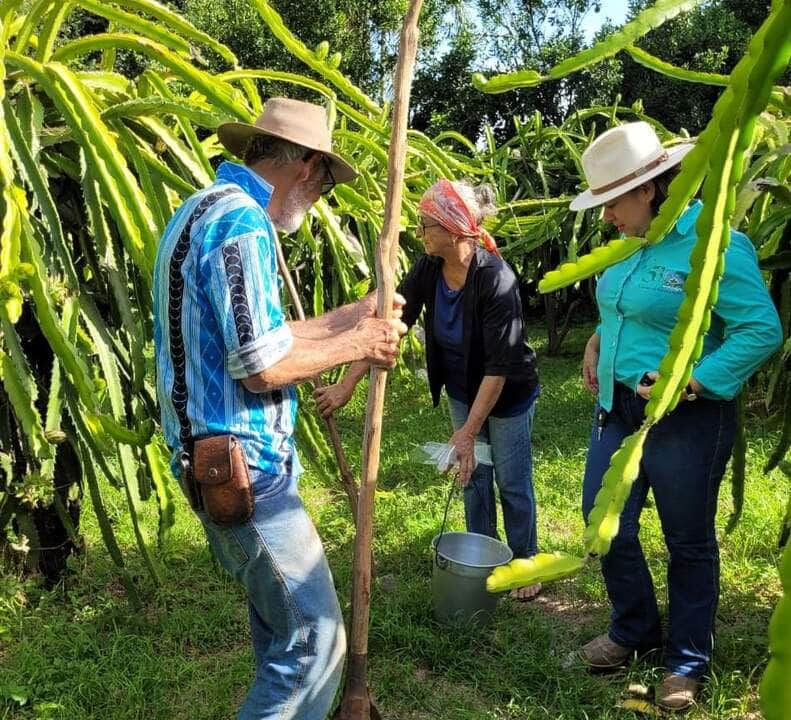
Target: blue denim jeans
296, 623
683, 463
512, 456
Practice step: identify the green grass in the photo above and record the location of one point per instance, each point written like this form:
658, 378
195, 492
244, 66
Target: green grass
80, 652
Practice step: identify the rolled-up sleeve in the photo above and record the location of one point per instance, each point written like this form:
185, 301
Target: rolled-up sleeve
245, 297
750, 326
503, 331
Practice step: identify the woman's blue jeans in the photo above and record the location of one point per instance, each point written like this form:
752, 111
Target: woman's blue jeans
296, 622
684, 459
512, 456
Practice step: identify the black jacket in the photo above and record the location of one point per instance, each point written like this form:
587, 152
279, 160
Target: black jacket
493, 333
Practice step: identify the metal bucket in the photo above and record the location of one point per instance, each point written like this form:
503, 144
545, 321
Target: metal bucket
462, 562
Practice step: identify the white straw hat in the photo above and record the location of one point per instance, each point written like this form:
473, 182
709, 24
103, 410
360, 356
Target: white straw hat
299, 122
621, 159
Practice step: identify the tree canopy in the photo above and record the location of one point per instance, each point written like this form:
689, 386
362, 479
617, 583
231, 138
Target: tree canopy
711, 38
365, 32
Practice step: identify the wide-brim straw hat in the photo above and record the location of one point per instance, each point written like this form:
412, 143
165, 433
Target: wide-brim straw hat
298, 122
622, 159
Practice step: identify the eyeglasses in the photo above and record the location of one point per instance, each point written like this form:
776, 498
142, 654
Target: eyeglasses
329, 179
422, 227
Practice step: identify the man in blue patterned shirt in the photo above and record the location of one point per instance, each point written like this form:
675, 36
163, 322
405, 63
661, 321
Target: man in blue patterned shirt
227, 363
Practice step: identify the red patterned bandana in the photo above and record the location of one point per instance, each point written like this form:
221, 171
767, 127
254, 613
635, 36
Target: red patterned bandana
447, 207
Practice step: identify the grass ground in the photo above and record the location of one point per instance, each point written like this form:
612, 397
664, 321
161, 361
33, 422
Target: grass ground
80, 653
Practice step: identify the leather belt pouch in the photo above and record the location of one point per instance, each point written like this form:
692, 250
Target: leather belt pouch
219, 468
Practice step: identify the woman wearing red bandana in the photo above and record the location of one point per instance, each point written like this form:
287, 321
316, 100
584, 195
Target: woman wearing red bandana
476, 349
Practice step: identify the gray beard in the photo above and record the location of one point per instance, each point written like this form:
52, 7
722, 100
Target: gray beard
292, 211
290, 223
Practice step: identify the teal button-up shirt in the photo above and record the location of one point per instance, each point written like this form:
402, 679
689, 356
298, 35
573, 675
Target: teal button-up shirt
639, 300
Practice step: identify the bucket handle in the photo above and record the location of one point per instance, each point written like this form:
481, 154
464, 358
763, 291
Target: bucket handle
442, 562
453, 487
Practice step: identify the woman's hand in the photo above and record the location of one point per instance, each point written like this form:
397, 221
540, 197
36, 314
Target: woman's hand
644, 388
367, 305
695, 386
464, 442
590, 363
331, 397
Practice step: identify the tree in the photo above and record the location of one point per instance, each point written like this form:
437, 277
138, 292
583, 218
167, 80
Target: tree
522, 31
442, 96
711, 38
536, 34
365, 32
501, 37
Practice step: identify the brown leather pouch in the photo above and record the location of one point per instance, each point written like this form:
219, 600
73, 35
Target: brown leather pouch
219, 468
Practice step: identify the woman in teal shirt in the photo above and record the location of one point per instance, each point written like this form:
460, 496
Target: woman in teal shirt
628, 172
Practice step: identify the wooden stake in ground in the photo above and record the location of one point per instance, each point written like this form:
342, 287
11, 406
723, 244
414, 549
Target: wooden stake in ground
347, 478
356, 703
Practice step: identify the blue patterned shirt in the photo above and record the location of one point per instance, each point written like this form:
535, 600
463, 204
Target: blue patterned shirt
639, 300
218, 319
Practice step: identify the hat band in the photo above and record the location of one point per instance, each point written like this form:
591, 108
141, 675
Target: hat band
631, 176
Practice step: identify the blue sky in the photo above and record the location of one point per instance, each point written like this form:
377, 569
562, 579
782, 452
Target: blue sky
615, 10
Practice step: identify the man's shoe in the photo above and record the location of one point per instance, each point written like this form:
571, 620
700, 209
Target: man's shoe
601, 653
676, 692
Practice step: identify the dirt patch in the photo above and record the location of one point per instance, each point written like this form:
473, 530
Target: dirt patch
115, 588
565, 608
422, 674
568, 610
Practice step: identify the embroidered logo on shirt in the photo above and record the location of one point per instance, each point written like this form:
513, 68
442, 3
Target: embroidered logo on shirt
658, 277
674, 280
653, 274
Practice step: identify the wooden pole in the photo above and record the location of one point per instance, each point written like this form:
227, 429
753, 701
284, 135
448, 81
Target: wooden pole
356, 703
347, 478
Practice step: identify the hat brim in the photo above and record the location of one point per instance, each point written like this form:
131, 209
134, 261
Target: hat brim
587, 199
234, 137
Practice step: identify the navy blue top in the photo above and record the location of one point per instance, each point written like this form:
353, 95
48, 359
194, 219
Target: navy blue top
448, 332
493, 341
